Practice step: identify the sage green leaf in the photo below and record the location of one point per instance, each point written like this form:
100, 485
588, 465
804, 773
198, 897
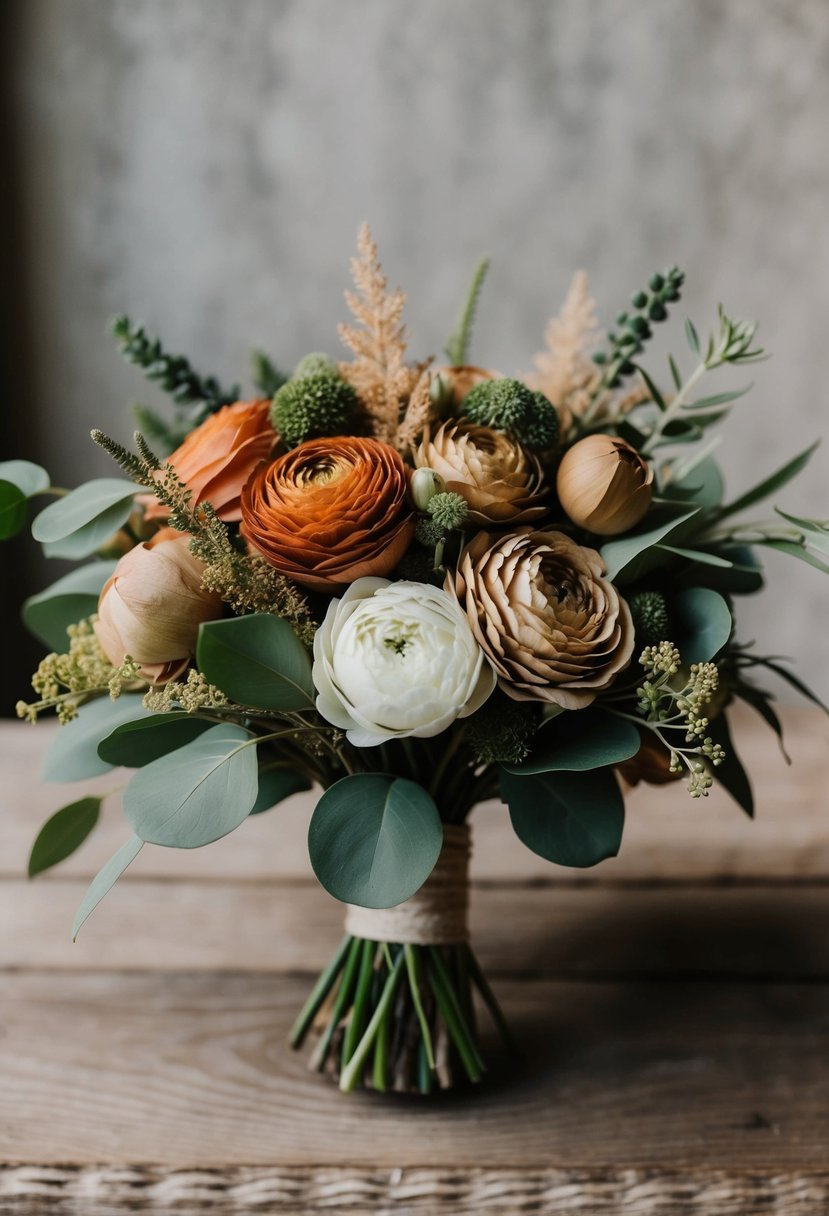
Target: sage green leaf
374, 839
77, 525
13, 504
704, 621
770, 484
256, 660
105, 879
137, 743
730, 774
703, 484
275, 785
816, 531
73, 753
623, 556
63, 833
698, 556
744, 576
791, 679
572, 819
67, 601
196, 794
793, 549
580, 741
29, 478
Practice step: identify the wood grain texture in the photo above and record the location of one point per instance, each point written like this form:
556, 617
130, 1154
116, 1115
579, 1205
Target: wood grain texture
193, 1071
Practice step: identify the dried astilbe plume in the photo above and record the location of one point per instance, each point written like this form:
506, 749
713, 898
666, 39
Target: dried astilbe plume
378, 373
564, 371
417, 415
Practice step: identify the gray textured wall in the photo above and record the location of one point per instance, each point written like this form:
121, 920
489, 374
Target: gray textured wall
204, 165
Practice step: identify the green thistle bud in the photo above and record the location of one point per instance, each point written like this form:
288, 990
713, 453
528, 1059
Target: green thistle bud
424, 485
508, 405
429, 532
315, 364
448, 510
502, 730
651, 621
315, 406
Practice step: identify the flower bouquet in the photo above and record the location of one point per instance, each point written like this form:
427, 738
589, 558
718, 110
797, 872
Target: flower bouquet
413, 586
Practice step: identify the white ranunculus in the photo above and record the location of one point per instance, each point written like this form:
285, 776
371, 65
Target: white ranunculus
397, 659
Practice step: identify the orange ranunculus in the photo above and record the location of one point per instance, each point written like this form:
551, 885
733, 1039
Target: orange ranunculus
330, 511
218, 457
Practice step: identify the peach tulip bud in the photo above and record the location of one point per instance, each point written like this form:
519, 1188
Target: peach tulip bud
604, 485
152, 605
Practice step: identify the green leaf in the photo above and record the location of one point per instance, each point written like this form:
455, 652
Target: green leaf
770, 484
817, 532
730, 774
196, 794
63, 833
275, 785
105, 879
13, 504
761, 702
623, 557
73, 753
744, 576
573, 819
72, 598
705, 623
698, 556
692, 336
256, 660
791, 679
374, 839
702, 484
793, 549
135, 744
656, 396
78, 524
29, 478
579, 741
707, 403
457, 347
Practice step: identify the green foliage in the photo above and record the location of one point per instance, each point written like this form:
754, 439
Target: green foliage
730, 772
63, 833
570, 818
267, 377
136, 743
163, 434
703, 624
632, 555
275, 785
448, 510
315, 364
769, 485
579, 742
20, 480
196, 794
651, 621
648, 307
12, 510
501, 731
508, 405
78, 524
312, 407
374, 839
457, 347
105, 879
73, 753
72, 598
256, 660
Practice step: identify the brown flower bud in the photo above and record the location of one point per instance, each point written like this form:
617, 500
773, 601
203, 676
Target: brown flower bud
553, 628
652, 763
500, 481
604, 485
152, 605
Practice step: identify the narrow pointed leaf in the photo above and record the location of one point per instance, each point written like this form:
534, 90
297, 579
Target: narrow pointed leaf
105, 880
793, 549
622, 556
63, 833
770, 484
731, 774
699, 556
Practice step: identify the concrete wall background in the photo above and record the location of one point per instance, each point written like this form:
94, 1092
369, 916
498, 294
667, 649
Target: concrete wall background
204, 165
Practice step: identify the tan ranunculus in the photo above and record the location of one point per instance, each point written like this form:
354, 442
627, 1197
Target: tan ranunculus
552, 626
500, 481
604, 485
218, 457
330, 511
152, 605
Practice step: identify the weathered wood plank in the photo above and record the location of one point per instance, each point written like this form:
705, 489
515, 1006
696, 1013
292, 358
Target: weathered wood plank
192, 1071
561, 931
668, 837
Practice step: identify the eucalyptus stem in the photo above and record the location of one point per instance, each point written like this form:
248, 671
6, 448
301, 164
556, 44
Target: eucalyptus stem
459, 1031
357, 1020
341, 1002
351, 1073
319, 992
414, 969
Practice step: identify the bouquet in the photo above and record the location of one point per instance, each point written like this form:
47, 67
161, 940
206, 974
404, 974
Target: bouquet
413, 587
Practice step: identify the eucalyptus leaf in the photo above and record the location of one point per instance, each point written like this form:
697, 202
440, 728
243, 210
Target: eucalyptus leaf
256, 660
73, 753
702, 484
275, 785
704, 621
135, 744
761, 702
623, 556
816, 531
744, 576
29, 478
580, 741
716, 399
794, 681
63, 833
770, 484
67, 601
572, 819
78, 524
13, 505
793, 549
374, 839
698, 556
730, 774
196, 794
105, 879
692, 336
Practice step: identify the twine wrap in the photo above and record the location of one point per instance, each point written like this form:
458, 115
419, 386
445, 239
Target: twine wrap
436, 915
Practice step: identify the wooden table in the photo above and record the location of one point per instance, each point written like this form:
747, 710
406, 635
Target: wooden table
674, 1003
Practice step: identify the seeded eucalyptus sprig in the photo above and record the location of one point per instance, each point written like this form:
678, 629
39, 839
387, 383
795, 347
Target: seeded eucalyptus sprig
648, 307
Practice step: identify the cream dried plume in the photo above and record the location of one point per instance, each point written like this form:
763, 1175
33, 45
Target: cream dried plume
564, 371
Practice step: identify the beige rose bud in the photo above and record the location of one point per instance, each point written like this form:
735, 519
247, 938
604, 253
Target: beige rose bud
152, 606
551, 625
604, 485
424, 484
499, 480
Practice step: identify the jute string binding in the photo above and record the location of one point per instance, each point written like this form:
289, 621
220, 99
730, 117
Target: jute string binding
436, 915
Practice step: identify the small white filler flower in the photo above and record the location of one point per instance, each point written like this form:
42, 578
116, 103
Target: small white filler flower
397, 659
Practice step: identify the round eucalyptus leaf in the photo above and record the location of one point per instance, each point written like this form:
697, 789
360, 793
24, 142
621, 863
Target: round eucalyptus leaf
573, 819
374, 839
256, 660
13, 503
705, 623
580, 741
73, 753
135, 744
275, 785
73, 597
63, 833
79, 523
30, 478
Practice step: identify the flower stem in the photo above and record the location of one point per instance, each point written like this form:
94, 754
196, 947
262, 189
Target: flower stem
320, 991
351, 1073
413, 967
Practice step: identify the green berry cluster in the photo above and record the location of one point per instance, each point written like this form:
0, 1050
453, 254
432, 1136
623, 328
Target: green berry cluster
651, 621
312, 406
647, 307
448, 510
508, 405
